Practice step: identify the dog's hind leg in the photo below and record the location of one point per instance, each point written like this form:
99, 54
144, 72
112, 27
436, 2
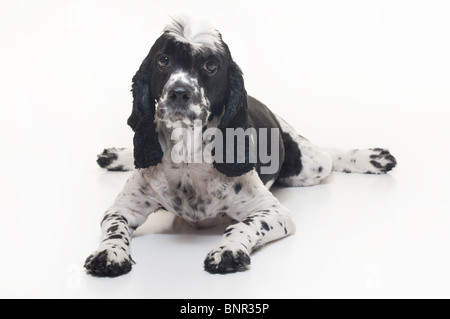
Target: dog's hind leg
307, 164
116, 159
366, 161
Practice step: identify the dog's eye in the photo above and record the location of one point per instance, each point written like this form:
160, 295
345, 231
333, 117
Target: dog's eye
210, 67
163, 62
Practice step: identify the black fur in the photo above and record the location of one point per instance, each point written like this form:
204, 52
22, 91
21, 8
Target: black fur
292, 165
235, 116
147, 150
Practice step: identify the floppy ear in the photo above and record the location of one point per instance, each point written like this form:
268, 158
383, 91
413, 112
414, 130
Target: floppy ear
235, 116
147, 150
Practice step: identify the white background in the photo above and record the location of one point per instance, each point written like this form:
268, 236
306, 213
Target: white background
349, 74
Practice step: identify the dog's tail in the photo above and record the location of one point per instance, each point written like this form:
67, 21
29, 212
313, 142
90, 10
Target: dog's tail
365, 161
116, 159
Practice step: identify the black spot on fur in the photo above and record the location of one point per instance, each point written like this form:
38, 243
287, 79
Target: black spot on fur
248, 221
320, 169
105, 218
112, 229
113, 237
119, 218
228, 230
376, 164
188, 190
119, 168
177, 203
237, 188
389, 167
264, 225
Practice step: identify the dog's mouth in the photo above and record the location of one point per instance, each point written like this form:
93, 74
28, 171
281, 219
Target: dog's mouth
174, 113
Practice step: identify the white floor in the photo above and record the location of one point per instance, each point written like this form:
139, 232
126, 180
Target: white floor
350, 73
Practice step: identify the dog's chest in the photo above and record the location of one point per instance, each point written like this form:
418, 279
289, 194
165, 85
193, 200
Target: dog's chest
196, 192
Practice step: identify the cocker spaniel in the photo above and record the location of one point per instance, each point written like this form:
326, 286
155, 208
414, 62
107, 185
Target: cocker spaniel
207, 152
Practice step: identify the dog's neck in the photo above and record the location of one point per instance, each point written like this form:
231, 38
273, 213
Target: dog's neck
171, 134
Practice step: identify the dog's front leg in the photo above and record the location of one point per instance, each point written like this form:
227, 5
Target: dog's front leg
239, 240
129, 211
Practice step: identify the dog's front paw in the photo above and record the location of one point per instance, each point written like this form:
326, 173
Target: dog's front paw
109, 263
226, 260
382, 161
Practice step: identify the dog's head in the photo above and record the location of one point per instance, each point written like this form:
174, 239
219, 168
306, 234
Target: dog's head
188, 75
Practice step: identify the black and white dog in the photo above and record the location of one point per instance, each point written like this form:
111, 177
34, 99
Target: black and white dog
190, 79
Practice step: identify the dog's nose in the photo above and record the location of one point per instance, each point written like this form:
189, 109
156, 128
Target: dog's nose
180, 94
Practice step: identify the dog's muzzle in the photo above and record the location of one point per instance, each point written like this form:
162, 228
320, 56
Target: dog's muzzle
182, 99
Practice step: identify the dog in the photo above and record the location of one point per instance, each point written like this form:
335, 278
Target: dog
189, 80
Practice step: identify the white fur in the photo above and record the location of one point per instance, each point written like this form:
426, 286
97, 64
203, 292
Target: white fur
199, 34
202, 196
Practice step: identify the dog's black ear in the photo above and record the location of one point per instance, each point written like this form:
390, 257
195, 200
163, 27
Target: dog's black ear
147, 150
235, 116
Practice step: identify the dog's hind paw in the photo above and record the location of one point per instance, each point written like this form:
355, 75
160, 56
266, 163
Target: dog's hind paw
382, 161
116, 159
